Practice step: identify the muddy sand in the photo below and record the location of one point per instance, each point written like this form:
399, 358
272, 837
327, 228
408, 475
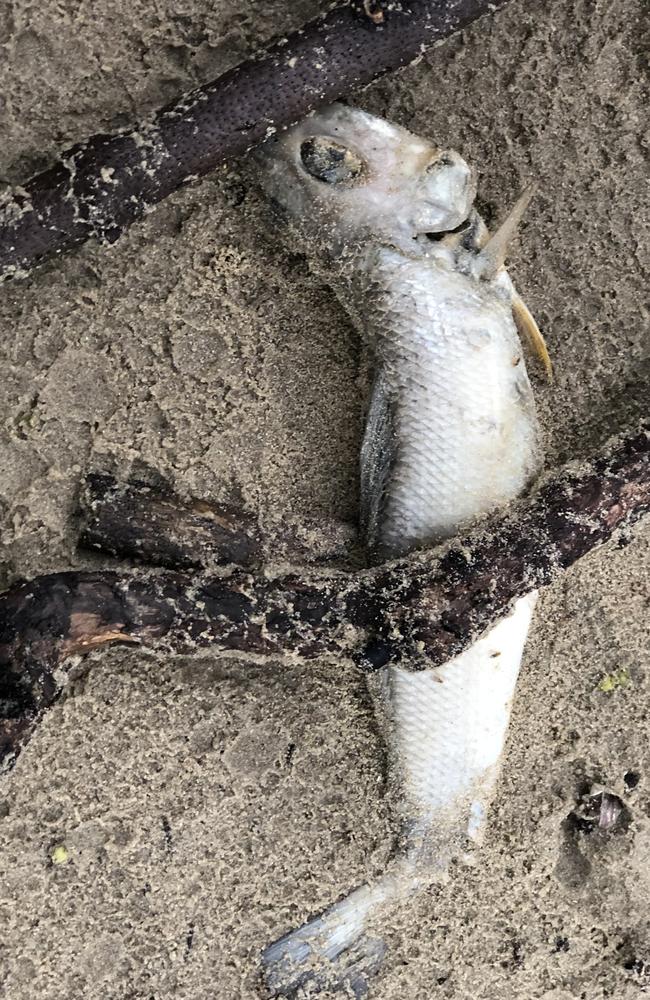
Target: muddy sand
207, 805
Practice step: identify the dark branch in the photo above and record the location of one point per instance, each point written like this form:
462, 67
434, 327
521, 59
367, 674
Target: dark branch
153, 525
101, 186
150, 525
423, 609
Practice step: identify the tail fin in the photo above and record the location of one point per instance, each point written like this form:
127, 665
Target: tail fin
445, 729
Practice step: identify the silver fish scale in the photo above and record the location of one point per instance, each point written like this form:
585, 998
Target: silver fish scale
448, 750
452, 384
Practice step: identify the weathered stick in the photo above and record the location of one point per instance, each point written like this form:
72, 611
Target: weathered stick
101, 186
152, 525
433, 604
136, 521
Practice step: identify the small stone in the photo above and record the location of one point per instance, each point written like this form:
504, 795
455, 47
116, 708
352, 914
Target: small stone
600, 811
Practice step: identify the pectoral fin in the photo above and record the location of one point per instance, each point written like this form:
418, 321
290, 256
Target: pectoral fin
376, 459
531, 334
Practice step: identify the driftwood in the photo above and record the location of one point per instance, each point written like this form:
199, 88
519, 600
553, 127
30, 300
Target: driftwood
101, 186
151, 524
424, 608
147, 524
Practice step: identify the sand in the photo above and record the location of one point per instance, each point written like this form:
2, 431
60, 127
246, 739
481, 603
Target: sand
205, 805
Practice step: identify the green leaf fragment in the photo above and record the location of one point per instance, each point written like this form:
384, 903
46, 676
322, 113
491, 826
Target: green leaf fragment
59, 855
618, 679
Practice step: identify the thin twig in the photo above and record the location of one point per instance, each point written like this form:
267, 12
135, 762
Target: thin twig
429, 605
101, 186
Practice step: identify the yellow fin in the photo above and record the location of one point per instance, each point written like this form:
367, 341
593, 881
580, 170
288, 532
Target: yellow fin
531, 333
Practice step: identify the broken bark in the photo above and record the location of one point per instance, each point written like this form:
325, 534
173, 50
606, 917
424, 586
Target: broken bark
423, 609
101, 186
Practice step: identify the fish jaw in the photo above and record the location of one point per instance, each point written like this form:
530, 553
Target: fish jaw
398, 185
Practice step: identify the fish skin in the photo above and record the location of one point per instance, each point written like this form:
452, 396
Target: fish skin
451, 434
461, 437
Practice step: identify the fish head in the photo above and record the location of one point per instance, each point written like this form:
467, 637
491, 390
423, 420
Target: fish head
343, 177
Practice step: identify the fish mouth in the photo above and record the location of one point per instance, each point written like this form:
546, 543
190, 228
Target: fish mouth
466, 232
437, 237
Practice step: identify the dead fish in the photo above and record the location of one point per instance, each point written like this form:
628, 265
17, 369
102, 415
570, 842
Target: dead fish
451, 434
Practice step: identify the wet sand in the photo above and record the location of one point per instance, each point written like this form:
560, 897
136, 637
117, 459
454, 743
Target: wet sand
208, 805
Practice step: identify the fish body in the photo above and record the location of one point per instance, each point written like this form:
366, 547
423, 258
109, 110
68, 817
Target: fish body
451, 434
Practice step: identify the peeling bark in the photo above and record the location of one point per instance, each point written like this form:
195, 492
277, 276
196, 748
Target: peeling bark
425, 608
101, 186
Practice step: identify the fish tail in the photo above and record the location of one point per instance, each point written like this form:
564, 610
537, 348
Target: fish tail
337, 950
445, 729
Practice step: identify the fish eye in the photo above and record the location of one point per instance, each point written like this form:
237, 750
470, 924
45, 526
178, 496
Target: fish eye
329, 161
